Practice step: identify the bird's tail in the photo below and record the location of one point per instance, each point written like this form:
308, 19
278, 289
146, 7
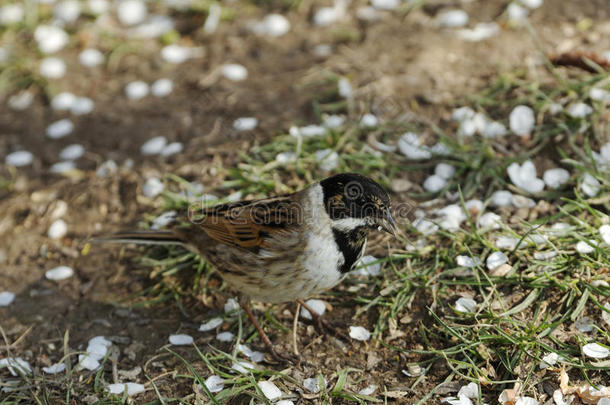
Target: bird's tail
142, 237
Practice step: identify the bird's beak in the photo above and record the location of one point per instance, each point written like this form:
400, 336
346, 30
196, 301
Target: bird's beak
387, 224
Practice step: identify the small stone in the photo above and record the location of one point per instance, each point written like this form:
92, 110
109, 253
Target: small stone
501, 271
59, 273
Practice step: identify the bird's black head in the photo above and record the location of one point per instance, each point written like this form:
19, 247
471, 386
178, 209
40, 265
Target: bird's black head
352, 200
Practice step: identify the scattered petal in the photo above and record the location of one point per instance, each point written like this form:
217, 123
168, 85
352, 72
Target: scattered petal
59, 273
6, 298
555, 178
270, 390
234, 72
585, 324
58, 229
465, 305
586, 248
496, 259
172, 149
224, 336
434, 183
579, 110
211, 324
453, 18
596, 351
522, 119
369, 121
60, 128
16, 365
132, 388
52, 68
19, 159
368, 390
501, 198
469, 391
153, 187
359, 333
55, 368
162, 88
480, 32
466, 261
242, 367
91, 57
214, 383
318, 306
590, 185
136, 90
526, 401
604, 231
409, 145
50, 38
489, 220
231, 305
368, 266
245, 123
345, 88
63, 101
154, 146
131, 12
328, 159
181, 340
313, 384
524, 176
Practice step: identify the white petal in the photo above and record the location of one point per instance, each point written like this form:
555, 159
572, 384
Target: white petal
181, 340
214, 383
604, 231
313, 384
367, 266
579, 110
489, 220
245, 123
60, 128
59, 273
54, 368
172, 149
549, 360
453, 18
6, 298
586, 248
465, 305
224, 336
132, 388
526, 401
555, 178
466, 261
19, 158
242, 367
470, 391
359, 333
318, 306
496, 259
58, 229
162, 87
434, 183
154, 146
234, 72
131, 12
368, 390
590, 185
231, 305
501, 198
211, 324
596, 351
270, 390
369, 121
91, 57
153, 187
72, 152
136, 90
89, 362
522, 120
444, 170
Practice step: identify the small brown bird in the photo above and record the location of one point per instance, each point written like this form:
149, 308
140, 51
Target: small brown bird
283, 248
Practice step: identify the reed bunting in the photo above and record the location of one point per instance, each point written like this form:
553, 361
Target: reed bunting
283, 248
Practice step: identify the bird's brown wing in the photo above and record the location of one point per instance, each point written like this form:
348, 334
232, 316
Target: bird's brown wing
248, 224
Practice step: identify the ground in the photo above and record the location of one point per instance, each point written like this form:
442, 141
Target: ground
403, 68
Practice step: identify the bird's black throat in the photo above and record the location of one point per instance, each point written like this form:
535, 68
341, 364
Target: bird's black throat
350, 243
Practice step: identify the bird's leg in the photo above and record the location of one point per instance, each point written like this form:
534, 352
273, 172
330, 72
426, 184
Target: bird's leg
320, 323
245, 304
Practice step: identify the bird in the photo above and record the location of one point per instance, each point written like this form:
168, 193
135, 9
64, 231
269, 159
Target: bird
282, 248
